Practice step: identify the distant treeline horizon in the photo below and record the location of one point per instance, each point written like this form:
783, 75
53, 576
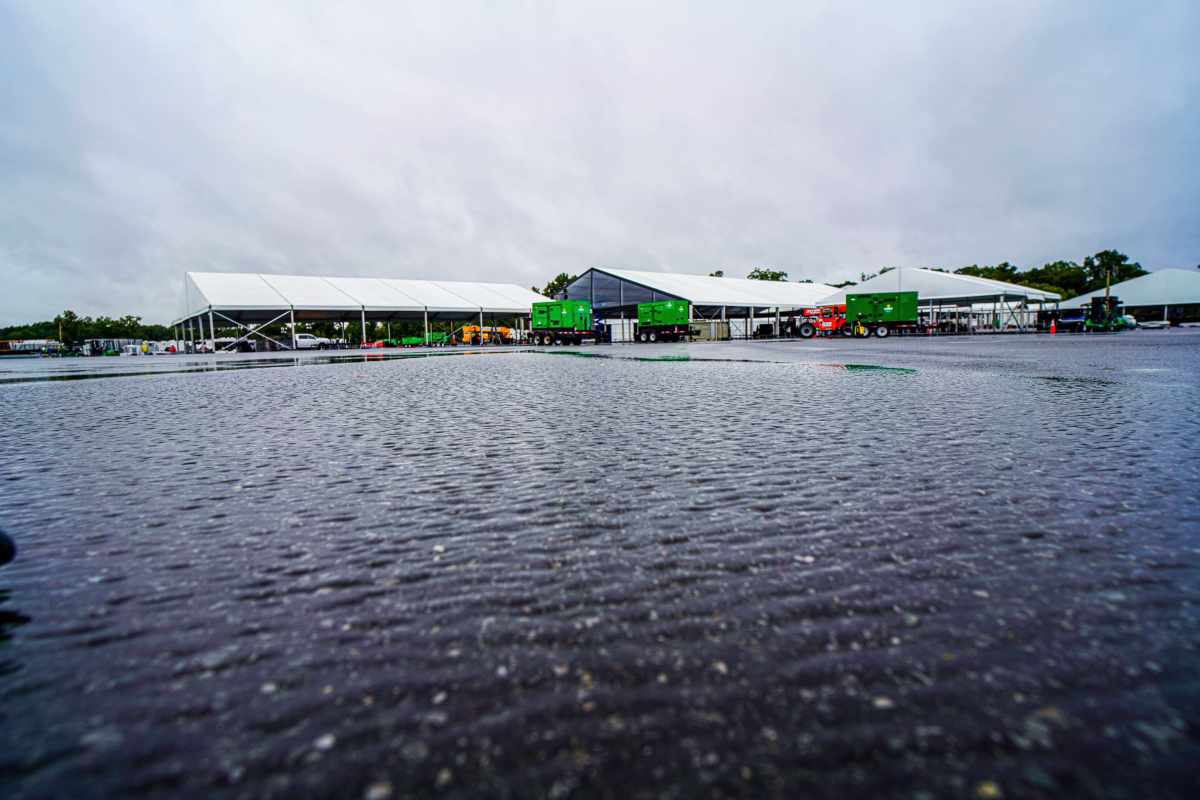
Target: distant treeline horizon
1067, 278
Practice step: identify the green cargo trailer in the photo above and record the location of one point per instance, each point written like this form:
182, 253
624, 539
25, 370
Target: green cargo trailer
561, 322
663, 321
882, 313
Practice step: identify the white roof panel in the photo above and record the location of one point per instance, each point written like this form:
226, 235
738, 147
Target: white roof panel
517, 295
244, 291
230, 290
480, 295
311, 293
434, 296
1163, 287
710, 291
373, 294
930, 284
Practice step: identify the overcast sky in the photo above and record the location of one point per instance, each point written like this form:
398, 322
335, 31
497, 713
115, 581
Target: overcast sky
511, 141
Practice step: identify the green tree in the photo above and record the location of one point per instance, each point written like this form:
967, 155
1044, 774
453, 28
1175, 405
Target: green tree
1003, 271
555, 286
764, 274
69, 327
1064, 277
1110, 262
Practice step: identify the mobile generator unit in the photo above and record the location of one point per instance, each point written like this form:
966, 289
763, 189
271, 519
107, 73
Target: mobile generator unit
561, 322
664, 321
880, 313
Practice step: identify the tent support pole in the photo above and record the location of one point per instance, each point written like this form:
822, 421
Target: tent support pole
427, 339
292, 322
363, 317
213, 330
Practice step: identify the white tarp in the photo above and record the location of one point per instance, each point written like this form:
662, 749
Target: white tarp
705, 290
1163, 287
929, 284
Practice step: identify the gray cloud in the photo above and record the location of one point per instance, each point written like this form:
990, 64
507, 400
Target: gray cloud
139, 140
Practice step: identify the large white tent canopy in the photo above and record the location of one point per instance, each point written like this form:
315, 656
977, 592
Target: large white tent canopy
705, 290
255, 297
617, 293
1163, 287
944, 288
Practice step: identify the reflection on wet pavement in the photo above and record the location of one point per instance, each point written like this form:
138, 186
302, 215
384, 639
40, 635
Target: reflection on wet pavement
957, 568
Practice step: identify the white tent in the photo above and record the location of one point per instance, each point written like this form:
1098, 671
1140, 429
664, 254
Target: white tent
244, 299
254, 295
944, 288
1163, 287
705, 290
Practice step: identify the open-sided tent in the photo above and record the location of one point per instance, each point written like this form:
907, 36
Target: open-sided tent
1173, 293
251, 300
943, 295
945, 288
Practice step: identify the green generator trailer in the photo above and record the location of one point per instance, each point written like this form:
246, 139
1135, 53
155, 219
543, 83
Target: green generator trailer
419, 341
880, 313
561, 322
663, 321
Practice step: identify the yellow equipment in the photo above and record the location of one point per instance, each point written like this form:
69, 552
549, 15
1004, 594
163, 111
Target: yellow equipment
488, 334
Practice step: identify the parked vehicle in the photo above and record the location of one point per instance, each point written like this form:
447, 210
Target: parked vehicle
1103, 315
663, 321
307, 341
1097, 317
824, 320
877, 313
562, 322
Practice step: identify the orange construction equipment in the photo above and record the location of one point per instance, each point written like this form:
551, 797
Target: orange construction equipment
499, 334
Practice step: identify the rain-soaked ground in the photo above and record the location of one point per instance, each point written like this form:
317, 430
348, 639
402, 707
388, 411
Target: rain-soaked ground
742, 569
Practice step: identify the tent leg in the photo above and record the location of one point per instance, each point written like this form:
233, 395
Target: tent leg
427, 339
213, 330
364, 327
292, 322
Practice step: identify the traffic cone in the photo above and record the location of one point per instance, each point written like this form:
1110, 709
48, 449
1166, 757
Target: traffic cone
1053, 327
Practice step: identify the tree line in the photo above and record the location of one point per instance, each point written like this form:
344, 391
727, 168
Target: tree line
70, 328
